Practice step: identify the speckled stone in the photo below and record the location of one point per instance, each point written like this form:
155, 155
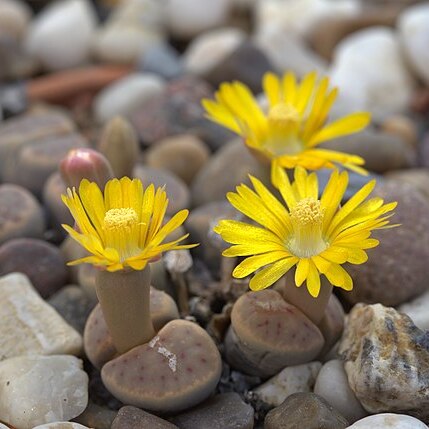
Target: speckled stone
387, 361
305, 410
397, 269
220, 412
42, 262
179, 111
134, 418
20, 214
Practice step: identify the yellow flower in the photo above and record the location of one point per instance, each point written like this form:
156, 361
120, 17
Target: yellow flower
123, 228
314, 234
289, 134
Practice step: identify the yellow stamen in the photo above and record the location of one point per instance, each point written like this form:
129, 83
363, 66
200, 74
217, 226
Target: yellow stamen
307, 219
120, 226
284, 121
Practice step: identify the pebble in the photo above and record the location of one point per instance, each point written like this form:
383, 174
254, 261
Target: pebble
333, 386
403, 127
134, 418
177, 192
200, 223
31, 165
30, 325
126, 95
163, 60
227, 410
188, 18
293, 379
389, 421
210, 49
212, 184
418, 178
382, 152
386, 361
48, 38
20, 214
385, 92
288, 52
133, 27
382, 279
40, 261
22, 130
299, 16
96, 417
61, 425
416, 310
247, 64
414, 35
74, 305
179, 111
15, 16
41, 389
304, 410
184, 155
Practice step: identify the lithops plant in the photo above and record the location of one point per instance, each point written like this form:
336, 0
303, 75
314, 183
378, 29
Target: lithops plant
268, 334
98, 342
177, 369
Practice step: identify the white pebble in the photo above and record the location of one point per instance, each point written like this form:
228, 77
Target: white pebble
417, 310
61, 425
15, 16
369, 69
42, 389
413, 27
332, 385
388, 421
125, 95
60, 36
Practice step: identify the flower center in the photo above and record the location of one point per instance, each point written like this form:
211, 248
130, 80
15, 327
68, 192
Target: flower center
307, 221
122, 232
120, 218
283, 126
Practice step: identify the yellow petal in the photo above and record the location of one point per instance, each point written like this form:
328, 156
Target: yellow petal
271, 85
250, 265
301, 273
269, 275
313, 280
338, 276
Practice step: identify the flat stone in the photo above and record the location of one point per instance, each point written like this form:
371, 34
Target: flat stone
21, 215
389, 421
333, 386
222, 411
134, 418
40, 261
382, 152
382, 279
179, 111
293, 379
184, 155
30, 325
32, 164
386, 361
35, 390
304, 410
126, 95
212, 184
74, 305
24, 129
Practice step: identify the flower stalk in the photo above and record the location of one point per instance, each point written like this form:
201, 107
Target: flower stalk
124, 297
